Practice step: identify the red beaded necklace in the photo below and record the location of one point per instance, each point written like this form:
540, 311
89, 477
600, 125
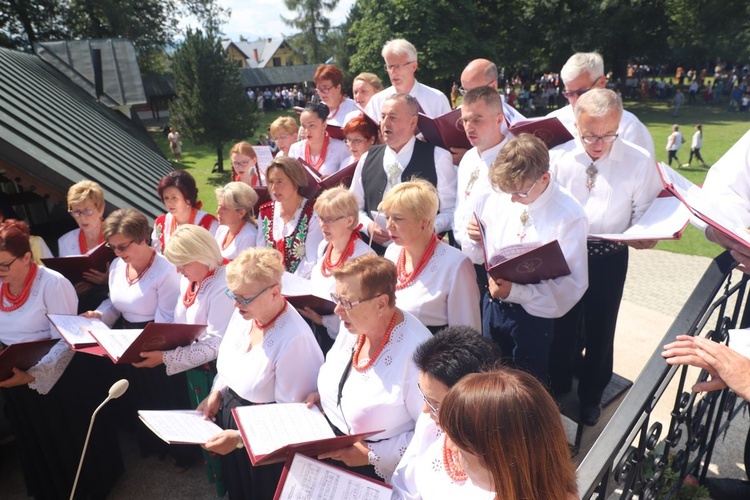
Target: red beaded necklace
173, 226
265, 326
82, 246
361, 342
326, 266
322, 158
227, 240
405, 279
192, 290
452, 467
135, 280
17, 301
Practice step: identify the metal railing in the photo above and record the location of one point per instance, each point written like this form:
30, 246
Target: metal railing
626, 455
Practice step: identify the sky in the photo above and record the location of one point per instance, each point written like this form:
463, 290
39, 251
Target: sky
262, 18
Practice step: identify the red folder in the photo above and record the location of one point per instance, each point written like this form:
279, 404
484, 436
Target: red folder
73, 267
263, 197
316, 183
318, 304
23, 356
155, 337
336, 132
445, 131
549, 129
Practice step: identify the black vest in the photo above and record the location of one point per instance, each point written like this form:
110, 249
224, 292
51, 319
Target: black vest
374, 178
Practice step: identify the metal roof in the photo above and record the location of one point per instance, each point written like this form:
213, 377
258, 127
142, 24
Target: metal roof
159, 86
58, 134
121, 75
278, 75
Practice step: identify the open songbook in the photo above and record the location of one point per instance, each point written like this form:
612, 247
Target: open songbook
23, 356
179, 426
705, 208
123, 346
271, 432
73, 266
317, 183
299, 293
665, 219
549, 129
524, 263
445, 131
304, 478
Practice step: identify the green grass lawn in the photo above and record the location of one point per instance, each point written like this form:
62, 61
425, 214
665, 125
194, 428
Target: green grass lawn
720, 131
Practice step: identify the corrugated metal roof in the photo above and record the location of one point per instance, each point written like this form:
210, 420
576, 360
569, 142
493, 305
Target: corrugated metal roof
159, 86
59, 134
279, 75
121, 75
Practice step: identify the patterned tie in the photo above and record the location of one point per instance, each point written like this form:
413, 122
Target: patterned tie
394, 174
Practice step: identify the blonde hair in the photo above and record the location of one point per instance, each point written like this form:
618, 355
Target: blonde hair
86, 190
191, 243
416, 197
370, 78
338, 201
376, 275
239, 196
255, 265
284, 123
598, 103
522, 159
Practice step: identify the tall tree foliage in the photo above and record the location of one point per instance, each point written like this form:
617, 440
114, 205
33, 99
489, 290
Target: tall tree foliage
313, 23
211, 106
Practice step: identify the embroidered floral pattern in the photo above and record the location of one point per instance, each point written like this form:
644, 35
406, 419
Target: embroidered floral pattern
292, 247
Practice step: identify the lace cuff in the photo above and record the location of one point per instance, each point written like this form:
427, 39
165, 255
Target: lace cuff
384, 462
332, 324
50, 368
196, 354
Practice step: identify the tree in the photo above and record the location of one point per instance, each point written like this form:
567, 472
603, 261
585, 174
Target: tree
313, 23
211, 106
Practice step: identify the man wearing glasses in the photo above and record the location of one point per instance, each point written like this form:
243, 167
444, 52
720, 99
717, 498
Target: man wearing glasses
615, 181
401, 63
583, 72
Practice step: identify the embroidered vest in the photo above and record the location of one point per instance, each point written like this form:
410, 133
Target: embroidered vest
292, 247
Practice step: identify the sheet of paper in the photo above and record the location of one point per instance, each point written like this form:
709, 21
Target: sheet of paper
308, 478
265, 157
180, 426
663, 219
296, 286
115, 342
270, 427
75, 329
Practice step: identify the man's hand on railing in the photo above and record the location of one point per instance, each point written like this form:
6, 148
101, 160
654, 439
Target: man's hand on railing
727, 368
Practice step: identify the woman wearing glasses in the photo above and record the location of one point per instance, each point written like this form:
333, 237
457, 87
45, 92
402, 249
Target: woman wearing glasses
180, 195
361, 133
429, 469
323, 153
47, 405
369, 381
86, 205
329, 82
284, 130
238, 228
245, 165
268, 355
338, 216
436, 282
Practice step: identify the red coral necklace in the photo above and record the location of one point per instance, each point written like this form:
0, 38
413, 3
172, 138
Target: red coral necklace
16, 301
405, 279
327, 266
452, 467
361, 342
192, 290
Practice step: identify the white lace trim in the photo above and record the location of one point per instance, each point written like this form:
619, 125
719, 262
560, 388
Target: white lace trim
50, 368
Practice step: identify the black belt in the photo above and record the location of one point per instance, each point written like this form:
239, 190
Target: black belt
597, 248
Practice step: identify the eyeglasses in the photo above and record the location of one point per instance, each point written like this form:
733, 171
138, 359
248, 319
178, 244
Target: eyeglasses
593, 139
330, 220
348, 304
568, 94
119, 248
394, 67
6, 267
241, 163
77, 213
527, 193
427, 402
324, 90
356, 142
245, 302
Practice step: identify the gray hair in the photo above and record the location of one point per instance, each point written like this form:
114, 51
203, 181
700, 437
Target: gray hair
239, 196
590, 63
598, 103
410, 101
400, 47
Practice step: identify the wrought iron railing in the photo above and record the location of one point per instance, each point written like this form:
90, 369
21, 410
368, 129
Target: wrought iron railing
626, 455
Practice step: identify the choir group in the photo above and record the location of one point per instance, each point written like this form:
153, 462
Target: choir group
402, 254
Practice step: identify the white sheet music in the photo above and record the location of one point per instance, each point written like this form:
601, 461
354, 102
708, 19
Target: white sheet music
273, 426
664, 218
115, 342
297, 286
75, 329
265, 157
309, 479
180, 426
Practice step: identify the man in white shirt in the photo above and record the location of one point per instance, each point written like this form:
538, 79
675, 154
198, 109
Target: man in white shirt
585, 71
615, 181
401, 63
401, 157
526, 205
674, 143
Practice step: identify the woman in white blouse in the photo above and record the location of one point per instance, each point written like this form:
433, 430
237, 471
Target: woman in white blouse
238, 228
268, 355
338, 216
49, 405
436, 282
288, 223
329, 81
369, 380
323, 153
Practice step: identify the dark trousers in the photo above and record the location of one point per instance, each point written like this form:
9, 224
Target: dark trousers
591, 325
697, 153
524, 339
673, 156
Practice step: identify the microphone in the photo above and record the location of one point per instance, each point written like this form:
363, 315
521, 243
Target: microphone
117, 390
